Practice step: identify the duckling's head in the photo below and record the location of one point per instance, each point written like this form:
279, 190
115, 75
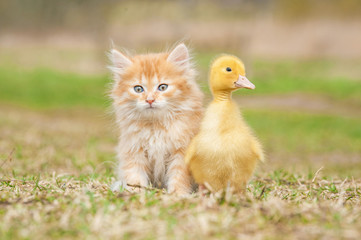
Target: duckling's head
228, 74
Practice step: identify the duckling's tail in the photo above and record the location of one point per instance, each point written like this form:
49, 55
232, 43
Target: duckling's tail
259, 150
261, 157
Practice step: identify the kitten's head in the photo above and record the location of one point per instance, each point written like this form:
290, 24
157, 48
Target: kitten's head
153, 85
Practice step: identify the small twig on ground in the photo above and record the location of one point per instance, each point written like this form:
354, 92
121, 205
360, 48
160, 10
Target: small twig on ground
9, 158
344, 181
262, 192
319, 170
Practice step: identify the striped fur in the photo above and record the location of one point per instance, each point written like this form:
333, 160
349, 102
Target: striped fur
152, 140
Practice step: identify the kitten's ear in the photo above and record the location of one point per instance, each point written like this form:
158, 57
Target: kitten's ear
119, 61
180, 56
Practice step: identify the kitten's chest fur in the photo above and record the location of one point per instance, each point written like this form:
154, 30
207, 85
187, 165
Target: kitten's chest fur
157, 141
157, 151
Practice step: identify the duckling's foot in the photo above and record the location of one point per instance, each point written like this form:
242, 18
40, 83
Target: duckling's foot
202, 190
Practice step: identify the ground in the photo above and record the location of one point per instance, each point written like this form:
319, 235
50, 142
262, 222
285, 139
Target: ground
57, 140
276, 206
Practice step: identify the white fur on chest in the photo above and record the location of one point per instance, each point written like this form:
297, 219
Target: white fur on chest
155, 143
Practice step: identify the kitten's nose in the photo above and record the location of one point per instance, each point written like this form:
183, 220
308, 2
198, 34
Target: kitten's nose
150, 101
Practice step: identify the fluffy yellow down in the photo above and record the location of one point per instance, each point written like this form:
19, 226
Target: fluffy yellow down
225, 151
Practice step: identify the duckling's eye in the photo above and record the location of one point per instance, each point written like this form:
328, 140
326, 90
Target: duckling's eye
138, 89
228, 69
162, 87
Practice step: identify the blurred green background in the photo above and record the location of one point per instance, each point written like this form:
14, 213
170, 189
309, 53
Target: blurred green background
303, 56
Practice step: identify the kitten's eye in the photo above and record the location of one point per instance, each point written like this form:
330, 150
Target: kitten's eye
228, 69
138, 89
162, 87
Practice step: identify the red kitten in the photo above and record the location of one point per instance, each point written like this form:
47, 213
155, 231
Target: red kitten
158, 107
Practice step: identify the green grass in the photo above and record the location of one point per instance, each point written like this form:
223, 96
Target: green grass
47, 88
305, 77
291, 132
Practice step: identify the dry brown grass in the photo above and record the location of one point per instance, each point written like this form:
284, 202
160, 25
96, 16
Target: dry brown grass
290, 207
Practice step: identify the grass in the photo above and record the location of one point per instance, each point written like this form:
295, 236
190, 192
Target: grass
48, 88
57, 161
276, 206
278, 128
305, 77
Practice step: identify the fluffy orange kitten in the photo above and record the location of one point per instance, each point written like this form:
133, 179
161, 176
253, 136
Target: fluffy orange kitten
158, 108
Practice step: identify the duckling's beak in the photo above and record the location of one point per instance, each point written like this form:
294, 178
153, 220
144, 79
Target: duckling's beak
243, 82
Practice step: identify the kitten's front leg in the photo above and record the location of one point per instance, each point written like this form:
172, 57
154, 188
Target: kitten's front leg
178, 175
132, 171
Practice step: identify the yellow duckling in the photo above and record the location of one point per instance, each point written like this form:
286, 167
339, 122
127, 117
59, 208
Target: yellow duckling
225, 151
